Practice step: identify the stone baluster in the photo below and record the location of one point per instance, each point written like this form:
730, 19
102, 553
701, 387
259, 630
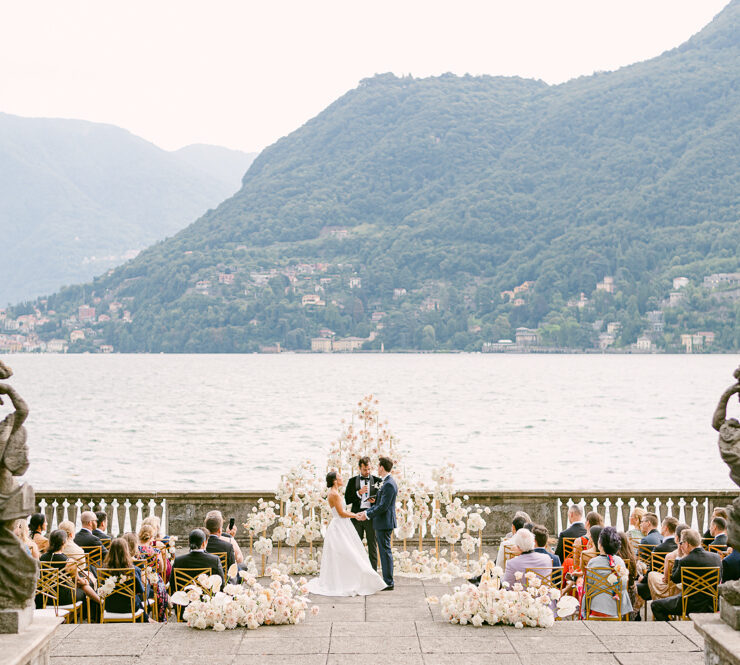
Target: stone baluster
91, 504
631, 505
42, 509
682, 510
102, 506
152, 505
78, 514
695, 514
139, 517
54, 519
115, 529
165, 526
559, 516
657, 505
669, 507
65, 512
126, 516
595, 505
645, 505
607, 512
582, 504
704, 522
619, 503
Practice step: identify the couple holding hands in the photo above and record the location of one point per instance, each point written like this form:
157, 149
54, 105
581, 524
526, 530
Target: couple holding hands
346, 568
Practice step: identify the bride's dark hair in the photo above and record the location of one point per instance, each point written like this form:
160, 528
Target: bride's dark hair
331, 478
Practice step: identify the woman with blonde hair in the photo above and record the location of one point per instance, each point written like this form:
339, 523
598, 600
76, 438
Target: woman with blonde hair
74, 552
146, 536
21, 532
160, 542
635, 533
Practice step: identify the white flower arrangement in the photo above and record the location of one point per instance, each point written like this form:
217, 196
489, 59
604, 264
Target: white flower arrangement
491, 603
263, 547
109, 585
247, 604
151, 576
468, 545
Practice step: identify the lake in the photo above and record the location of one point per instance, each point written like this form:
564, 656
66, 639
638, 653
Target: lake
236, 422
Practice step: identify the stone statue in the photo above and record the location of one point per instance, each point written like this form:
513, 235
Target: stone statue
729, 449
18, 570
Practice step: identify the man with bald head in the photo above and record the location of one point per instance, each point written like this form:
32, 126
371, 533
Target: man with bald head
85, 536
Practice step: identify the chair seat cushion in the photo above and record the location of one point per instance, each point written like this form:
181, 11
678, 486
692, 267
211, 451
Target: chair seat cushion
71, 606
49, 612
121, 615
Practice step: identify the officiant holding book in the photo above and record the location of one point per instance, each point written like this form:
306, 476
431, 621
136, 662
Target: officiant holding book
360, 495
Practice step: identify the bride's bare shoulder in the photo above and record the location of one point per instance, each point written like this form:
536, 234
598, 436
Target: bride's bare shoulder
333, 495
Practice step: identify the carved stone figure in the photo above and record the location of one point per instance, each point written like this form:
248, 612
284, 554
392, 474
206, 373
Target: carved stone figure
729, 449
18, 570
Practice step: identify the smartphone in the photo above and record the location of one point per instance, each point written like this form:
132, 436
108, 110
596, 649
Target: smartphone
231, 523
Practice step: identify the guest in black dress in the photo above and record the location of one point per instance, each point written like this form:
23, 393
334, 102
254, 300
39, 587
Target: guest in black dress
119, 557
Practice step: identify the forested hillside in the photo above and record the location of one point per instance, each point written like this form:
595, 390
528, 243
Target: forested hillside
445, 213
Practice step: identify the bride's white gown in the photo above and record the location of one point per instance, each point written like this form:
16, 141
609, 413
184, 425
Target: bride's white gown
345, 567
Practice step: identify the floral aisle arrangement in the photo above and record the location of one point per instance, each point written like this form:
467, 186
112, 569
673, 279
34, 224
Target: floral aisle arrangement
247, 604
299, 515
527, 603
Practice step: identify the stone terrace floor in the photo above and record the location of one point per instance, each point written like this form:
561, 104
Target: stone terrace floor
397, 627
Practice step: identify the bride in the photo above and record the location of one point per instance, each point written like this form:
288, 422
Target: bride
345, 567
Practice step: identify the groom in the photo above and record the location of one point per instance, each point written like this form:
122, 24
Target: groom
383, 516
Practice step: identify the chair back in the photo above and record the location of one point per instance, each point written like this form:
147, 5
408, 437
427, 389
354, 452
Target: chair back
645, 552
657, 561
47, 586
596, 582
697, 582
547, 576
509, 553
224, 556
568, 544
718, 549
94, 555
125, 587
182, 577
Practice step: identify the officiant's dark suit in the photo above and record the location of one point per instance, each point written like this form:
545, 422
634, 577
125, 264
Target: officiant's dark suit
353, 499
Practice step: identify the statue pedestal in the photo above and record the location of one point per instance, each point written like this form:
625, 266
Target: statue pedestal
730, 614
15, 621
721, 642
32, 646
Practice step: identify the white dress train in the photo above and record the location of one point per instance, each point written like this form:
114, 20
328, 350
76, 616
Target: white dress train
345, 567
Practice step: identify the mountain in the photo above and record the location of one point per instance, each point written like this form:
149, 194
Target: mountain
444, 213
79, 197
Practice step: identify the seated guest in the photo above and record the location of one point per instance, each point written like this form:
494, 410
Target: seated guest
119, 558
604, 604
717, 512
21, 532
160, 542
731, 566
575, 529
660, 584
592, 519
229, 536
718, 531
57, 559
216, 543
523, 541
133, 544
198, 557
669, 544
649, 527
101, 520
147, 549
73, 551
635, 531
541, 536
585, 555
37, 528
690, 555
629, 556
85, 537
520, 520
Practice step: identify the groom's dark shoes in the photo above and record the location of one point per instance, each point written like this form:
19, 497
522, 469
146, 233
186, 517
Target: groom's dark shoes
388, 588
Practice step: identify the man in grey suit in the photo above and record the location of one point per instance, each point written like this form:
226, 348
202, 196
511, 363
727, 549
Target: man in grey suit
383, 515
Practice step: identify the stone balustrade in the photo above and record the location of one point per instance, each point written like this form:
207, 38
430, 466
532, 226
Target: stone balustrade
182, 511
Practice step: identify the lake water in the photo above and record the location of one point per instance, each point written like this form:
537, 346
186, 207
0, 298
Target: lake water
236, 422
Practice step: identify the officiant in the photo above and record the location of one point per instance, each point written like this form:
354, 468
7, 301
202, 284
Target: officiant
360, 494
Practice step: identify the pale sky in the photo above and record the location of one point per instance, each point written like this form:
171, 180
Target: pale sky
243, 73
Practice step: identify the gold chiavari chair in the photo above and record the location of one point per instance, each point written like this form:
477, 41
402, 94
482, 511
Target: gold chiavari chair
644, 552
148, 568
94, 555
698, 582
549, 577
568, 544
125, 587
182, 577
509, 553
67, 582
596, 583
47, 593
657, 561
224, 556
718, 549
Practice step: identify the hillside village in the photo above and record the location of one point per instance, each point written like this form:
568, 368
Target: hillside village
314, 287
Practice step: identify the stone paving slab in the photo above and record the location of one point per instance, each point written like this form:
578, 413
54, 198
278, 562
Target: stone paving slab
399, 626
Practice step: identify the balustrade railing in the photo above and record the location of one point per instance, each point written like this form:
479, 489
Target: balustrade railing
180, 512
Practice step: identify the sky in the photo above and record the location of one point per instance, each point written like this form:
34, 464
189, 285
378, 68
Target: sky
243, 73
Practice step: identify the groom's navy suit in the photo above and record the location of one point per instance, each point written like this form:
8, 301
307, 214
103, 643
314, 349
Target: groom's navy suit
383, 515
